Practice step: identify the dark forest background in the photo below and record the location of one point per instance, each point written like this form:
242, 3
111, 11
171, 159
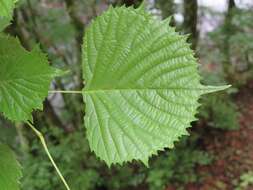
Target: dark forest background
218, 155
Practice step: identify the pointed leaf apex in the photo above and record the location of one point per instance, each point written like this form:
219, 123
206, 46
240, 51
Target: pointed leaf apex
59, 72
167, 20
142, 6
145, 162
211, 89
110, 7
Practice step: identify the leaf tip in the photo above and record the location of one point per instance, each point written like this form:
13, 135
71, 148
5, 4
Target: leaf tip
59, 72
167, 20
145, 162
211, 89
142, 5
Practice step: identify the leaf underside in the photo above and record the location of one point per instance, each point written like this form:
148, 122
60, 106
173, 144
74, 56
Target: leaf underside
142, 85
10, 170
24, 79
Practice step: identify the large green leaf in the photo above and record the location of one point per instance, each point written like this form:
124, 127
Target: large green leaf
142, 85
10, 170
24, 79
6, 9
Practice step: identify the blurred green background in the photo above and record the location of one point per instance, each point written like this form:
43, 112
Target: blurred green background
219, 152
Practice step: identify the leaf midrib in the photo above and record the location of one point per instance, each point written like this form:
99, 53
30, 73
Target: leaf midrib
201, 87
138, 89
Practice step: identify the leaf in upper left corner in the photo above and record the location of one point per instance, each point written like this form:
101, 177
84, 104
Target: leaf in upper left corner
25, 78
10, 170
6, 11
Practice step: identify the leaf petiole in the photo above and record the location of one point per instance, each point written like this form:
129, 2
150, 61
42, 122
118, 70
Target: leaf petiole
43, 142
65, 91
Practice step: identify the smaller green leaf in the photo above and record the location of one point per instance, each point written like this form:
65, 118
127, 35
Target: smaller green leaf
24, 79
10, 170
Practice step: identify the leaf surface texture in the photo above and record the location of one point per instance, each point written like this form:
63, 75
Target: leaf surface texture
10, 170
24, 79
141, 85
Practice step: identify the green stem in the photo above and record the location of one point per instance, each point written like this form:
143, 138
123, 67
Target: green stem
66, 91
43, 142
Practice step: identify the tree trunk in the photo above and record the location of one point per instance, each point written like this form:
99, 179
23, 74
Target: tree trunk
228, 32
136, 3
191, 20
77, 23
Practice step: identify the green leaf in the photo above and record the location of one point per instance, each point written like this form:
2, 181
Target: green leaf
10, 170
142, 85
6, 10
24, 79
6, 7
4, 22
